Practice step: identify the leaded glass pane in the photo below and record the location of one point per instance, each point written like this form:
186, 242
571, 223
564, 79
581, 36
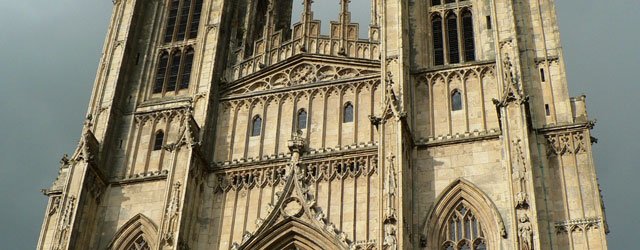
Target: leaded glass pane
171, 20
187, 64
438, 43
452, 36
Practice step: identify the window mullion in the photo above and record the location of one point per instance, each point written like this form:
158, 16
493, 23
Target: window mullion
461, 52
445, 38
180, 69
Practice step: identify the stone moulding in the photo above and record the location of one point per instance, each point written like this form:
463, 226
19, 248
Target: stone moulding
300, 73
581, 224
324, 167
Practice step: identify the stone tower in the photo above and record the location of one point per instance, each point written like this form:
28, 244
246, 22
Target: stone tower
244, 124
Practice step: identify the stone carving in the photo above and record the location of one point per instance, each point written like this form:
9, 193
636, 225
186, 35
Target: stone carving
172, 215
513, 93
303, 73
525, 232
64, 223
578, 224
55, 205
390, 222
566, 143
298, 74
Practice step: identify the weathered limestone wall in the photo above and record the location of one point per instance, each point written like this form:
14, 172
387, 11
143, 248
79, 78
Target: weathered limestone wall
324, 104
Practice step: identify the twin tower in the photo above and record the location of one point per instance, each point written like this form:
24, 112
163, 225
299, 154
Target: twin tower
252, 124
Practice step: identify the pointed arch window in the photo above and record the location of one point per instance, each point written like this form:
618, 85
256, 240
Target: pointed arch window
256, 126
452, 32
456, 100
173, 72
158, 140
463, 231
467, 34
452, 38
183, 20
438, 43
302, 119
347, 113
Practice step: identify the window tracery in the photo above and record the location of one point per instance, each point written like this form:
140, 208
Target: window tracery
175, 61
463, 231
452, 38
173, 72
139, 244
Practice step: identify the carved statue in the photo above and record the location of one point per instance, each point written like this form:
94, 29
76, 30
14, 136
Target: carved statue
390, 239
525, 232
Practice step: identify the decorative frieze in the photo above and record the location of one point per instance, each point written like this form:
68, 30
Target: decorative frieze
237, 179
559, 144
340, 168
584, 224
302, 73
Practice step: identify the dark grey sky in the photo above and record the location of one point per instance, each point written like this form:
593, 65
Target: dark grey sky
49, 51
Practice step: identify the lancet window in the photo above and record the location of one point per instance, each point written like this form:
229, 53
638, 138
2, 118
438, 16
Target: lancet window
158, 140
256, 126
173, 72
462, 231
456, 100
302, 119
452, 32
183, 20
175, 57
347, 115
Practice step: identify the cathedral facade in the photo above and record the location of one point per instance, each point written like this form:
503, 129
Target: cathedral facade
252, 124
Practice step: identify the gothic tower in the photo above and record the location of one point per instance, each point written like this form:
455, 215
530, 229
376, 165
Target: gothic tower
252, 124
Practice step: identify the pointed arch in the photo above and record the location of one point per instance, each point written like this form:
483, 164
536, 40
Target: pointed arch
293, 232
464, 192
130, 234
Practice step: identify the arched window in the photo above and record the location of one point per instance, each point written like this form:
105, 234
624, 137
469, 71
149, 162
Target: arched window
456, 100
174, 68
347, 115
452, 32
302, 119
463, 231
467, 34
195, 19
452, 36
139, 244
183, 20
438, 43
161, 72
158, 140
171, 20
187, 65
174, 71
256, 126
